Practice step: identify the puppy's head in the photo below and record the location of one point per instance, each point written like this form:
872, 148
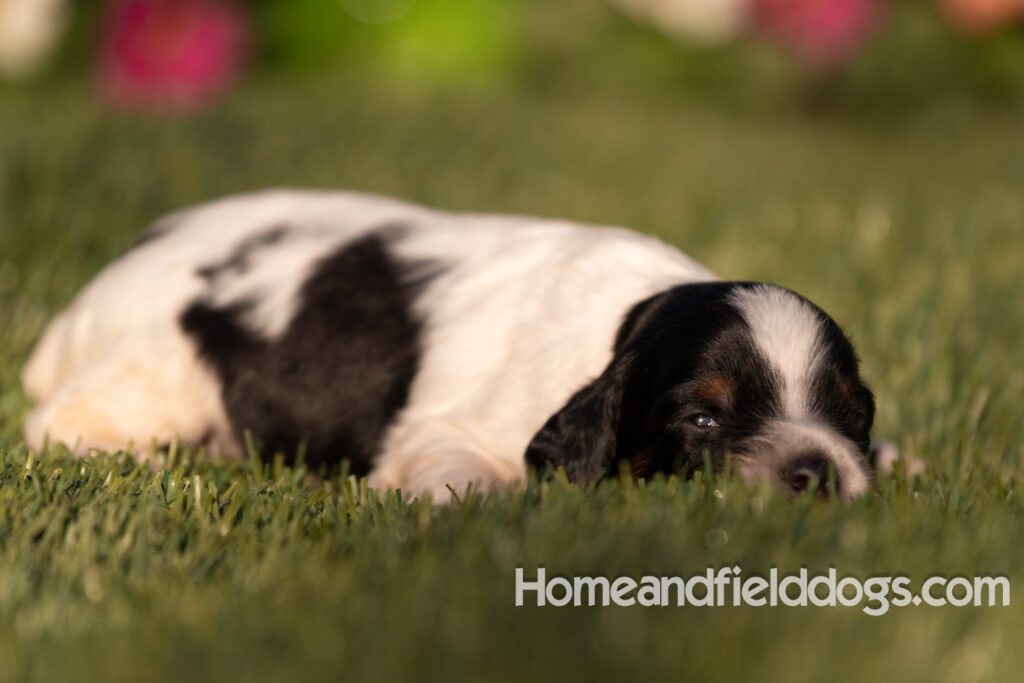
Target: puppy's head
752, 376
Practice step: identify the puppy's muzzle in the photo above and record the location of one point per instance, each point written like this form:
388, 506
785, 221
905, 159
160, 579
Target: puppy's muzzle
799, 456
811, 471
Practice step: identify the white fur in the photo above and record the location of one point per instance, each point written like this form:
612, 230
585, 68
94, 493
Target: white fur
787, 332
501, 352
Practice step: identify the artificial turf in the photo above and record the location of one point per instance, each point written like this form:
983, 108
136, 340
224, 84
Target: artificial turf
910, 231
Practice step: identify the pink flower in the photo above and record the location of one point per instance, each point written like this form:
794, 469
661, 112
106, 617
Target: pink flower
170, 54
823, 33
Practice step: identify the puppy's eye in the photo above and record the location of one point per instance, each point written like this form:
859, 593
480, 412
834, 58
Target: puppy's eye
705, 421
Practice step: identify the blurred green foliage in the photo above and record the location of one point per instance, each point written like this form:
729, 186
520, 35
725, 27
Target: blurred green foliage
429, 43
915, 60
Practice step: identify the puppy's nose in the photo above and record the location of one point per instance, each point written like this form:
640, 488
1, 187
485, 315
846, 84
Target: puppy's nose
807, 470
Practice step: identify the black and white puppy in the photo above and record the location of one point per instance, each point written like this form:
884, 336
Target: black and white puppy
436, 349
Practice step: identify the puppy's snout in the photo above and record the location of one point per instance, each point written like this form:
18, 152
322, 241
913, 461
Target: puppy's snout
809, 470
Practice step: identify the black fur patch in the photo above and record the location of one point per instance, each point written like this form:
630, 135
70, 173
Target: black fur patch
636, 318
695, 336
844, 401
240, 260
638, 409
341, 371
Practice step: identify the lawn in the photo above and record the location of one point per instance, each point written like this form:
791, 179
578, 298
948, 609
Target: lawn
908, 229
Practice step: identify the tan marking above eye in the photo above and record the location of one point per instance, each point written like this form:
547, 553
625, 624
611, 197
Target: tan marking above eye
717, 390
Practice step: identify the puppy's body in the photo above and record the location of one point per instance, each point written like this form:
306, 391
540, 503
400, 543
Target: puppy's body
437, 349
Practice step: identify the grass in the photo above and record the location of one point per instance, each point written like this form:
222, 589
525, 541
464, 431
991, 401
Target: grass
909, 232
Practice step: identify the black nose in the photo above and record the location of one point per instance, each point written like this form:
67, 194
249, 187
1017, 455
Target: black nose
809, 470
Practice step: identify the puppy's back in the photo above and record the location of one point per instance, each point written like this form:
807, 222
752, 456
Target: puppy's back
510, 315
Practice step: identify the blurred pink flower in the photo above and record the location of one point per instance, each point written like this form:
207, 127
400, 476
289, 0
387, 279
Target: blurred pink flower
823, 33
171, 54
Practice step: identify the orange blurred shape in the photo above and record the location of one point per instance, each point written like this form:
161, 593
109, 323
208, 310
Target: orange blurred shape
975, 16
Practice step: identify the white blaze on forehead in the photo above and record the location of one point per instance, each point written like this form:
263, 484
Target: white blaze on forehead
787, 333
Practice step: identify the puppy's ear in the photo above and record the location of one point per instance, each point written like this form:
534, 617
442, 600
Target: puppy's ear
583, 437
590, 433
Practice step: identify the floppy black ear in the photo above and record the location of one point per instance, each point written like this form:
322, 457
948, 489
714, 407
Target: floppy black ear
582, 437
586, 436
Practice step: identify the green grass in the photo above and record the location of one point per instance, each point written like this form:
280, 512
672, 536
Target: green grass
911, 232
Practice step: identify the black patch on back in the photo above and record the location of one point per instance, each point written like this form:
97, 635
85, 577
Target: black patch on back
340, 373
240, 260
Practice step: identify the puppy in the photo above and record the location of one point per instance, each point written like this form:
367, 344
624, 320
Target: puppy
436, 349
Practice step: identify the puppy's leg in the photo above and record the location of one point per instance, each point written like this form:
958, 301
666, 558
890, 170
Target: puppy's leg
434, 458
135, 393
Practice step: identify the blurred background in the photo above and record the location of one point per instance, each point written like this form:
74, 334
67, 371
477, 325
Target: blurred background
183, 55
